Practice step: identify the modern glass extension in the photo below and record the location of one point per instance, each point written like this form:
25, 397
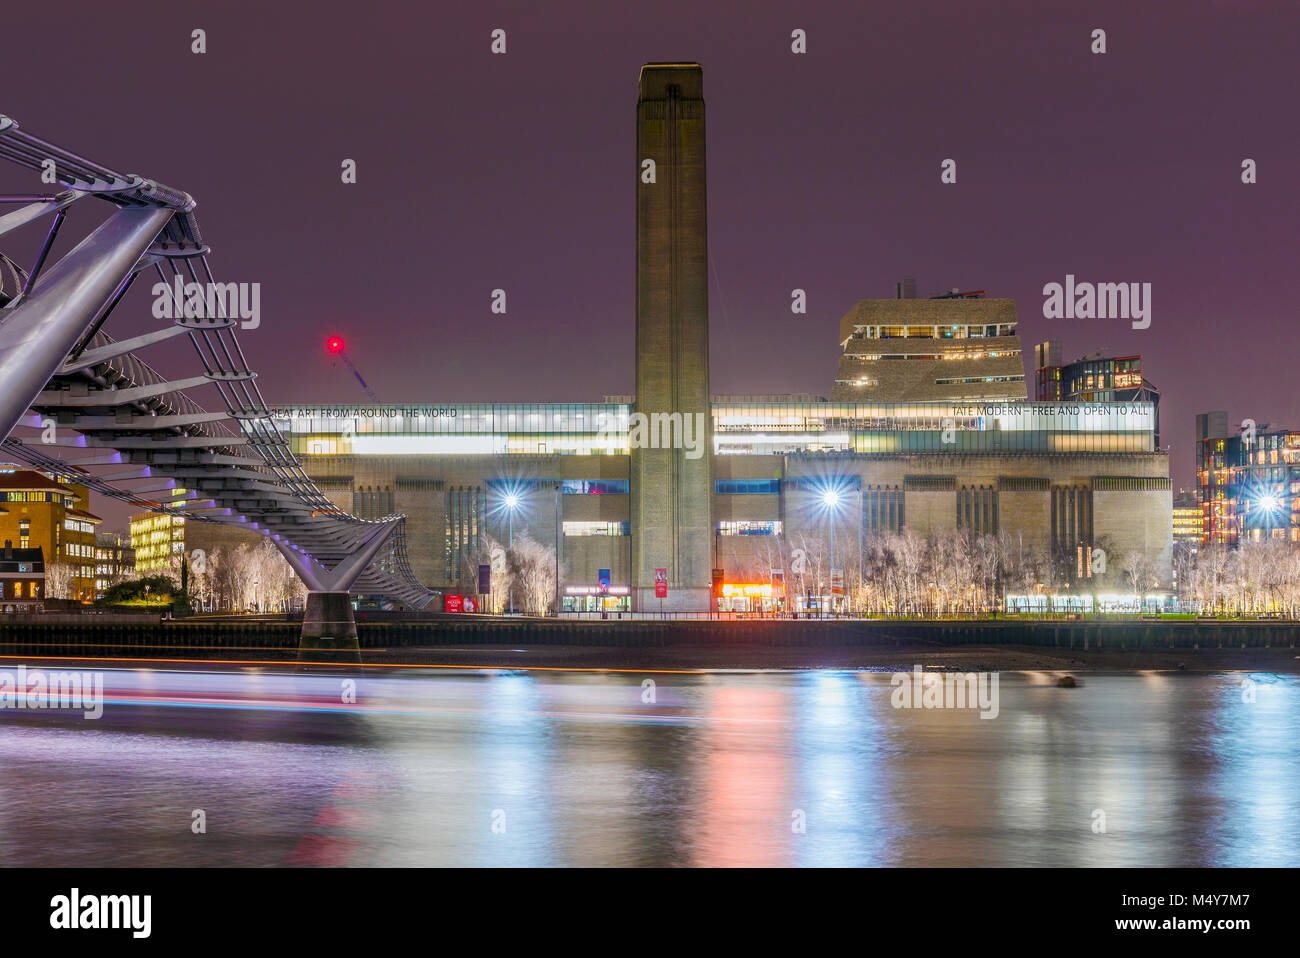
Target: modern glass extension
761, 428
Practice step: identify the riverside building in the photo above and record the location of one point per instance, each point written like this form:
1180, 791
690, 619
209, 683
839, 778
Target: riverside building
927, 430
38, 512
1060, 477
1248, 484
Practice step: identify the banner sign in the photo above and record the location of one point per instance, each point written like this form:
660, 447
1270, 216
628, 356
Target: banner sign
459, 603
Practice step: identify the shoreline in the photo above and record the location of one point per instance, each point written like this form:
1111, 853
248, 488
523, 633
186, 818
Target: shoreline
705, 658
965, 658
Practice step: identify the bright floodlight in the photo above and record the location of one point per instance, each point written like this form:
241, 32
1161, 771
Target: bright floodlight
830, 497
1268, 503
512, 500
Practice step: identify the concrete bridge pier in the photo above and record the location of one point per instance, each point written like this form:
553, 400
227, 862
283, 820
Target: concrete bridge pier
329, 629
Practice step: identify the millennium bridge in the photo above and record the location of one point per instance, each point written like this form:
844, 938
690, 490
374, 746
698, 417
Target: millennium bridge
112, 422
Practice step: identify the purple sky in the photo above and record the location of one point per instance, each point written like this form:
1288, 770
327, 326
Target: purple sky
518, 171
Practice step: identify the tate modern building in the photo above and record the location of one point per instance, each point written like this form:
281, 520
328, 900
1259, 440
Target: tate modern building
927, 430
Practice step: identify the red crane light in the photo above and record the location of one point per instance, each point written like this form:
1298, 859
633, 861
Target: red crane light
335, 345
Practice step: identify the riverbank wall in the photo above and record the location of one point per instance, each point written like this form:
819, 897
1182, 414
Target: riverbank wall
145, 637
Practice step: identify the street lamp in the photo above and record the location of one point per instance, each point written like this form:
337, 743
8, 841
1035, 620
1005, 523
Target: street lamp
1267, 507
861, 522
511, 502
830, 502
558, 608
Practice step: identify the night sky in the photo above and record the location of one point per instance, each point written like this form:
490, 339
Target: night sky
518, 171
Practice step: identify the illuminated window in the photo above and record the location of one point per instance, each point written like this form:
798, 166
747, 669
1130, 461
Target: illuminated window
767, 527
741, 487
597, 528
596, 487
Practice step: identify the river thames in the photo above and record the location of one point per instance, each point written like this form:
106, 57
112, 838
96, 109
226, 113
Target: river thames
562, 768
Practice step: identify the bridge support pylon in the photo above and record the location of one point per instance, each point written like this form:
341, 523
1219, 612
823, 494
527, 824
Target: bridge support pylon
329, 629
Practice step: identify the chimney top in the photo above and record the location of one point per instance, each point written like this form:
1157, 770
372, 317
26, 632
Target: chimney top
659, 80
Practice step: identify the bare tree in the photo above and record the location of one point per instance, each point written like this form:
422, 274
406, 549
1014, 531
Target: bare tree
60, 580
533, 565
1139, 572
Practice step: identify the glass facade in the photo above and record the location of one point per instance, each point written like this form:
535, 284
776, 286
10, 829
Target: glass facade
1092, 380
759, 428
590, 599
569, 487
936, 331
933, 427
596, 487
485, 429
1249, 489
746, 487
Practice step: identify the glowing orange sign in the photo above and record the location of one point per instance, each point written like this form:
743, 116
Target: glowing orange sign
759, 589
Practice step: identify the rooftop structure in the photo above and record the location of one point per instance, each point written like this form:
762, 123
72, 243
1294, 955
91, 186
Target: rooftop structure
1092, 378
951, 348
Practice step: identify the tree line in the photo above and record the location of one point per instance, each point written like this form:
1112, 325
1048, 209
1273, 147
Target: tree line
243, 578
957, 572
1256, 578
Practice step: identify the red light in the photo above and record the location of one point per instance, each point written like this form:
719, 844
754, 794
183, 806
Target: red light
334, 344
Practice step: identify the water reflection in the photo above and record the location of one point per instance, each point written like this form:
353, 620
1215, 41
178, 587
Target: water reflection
1252, 793
522, 768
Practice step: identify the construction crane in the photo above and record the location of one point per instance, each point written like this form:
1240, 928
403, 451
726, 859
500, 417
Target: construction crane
335, 345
